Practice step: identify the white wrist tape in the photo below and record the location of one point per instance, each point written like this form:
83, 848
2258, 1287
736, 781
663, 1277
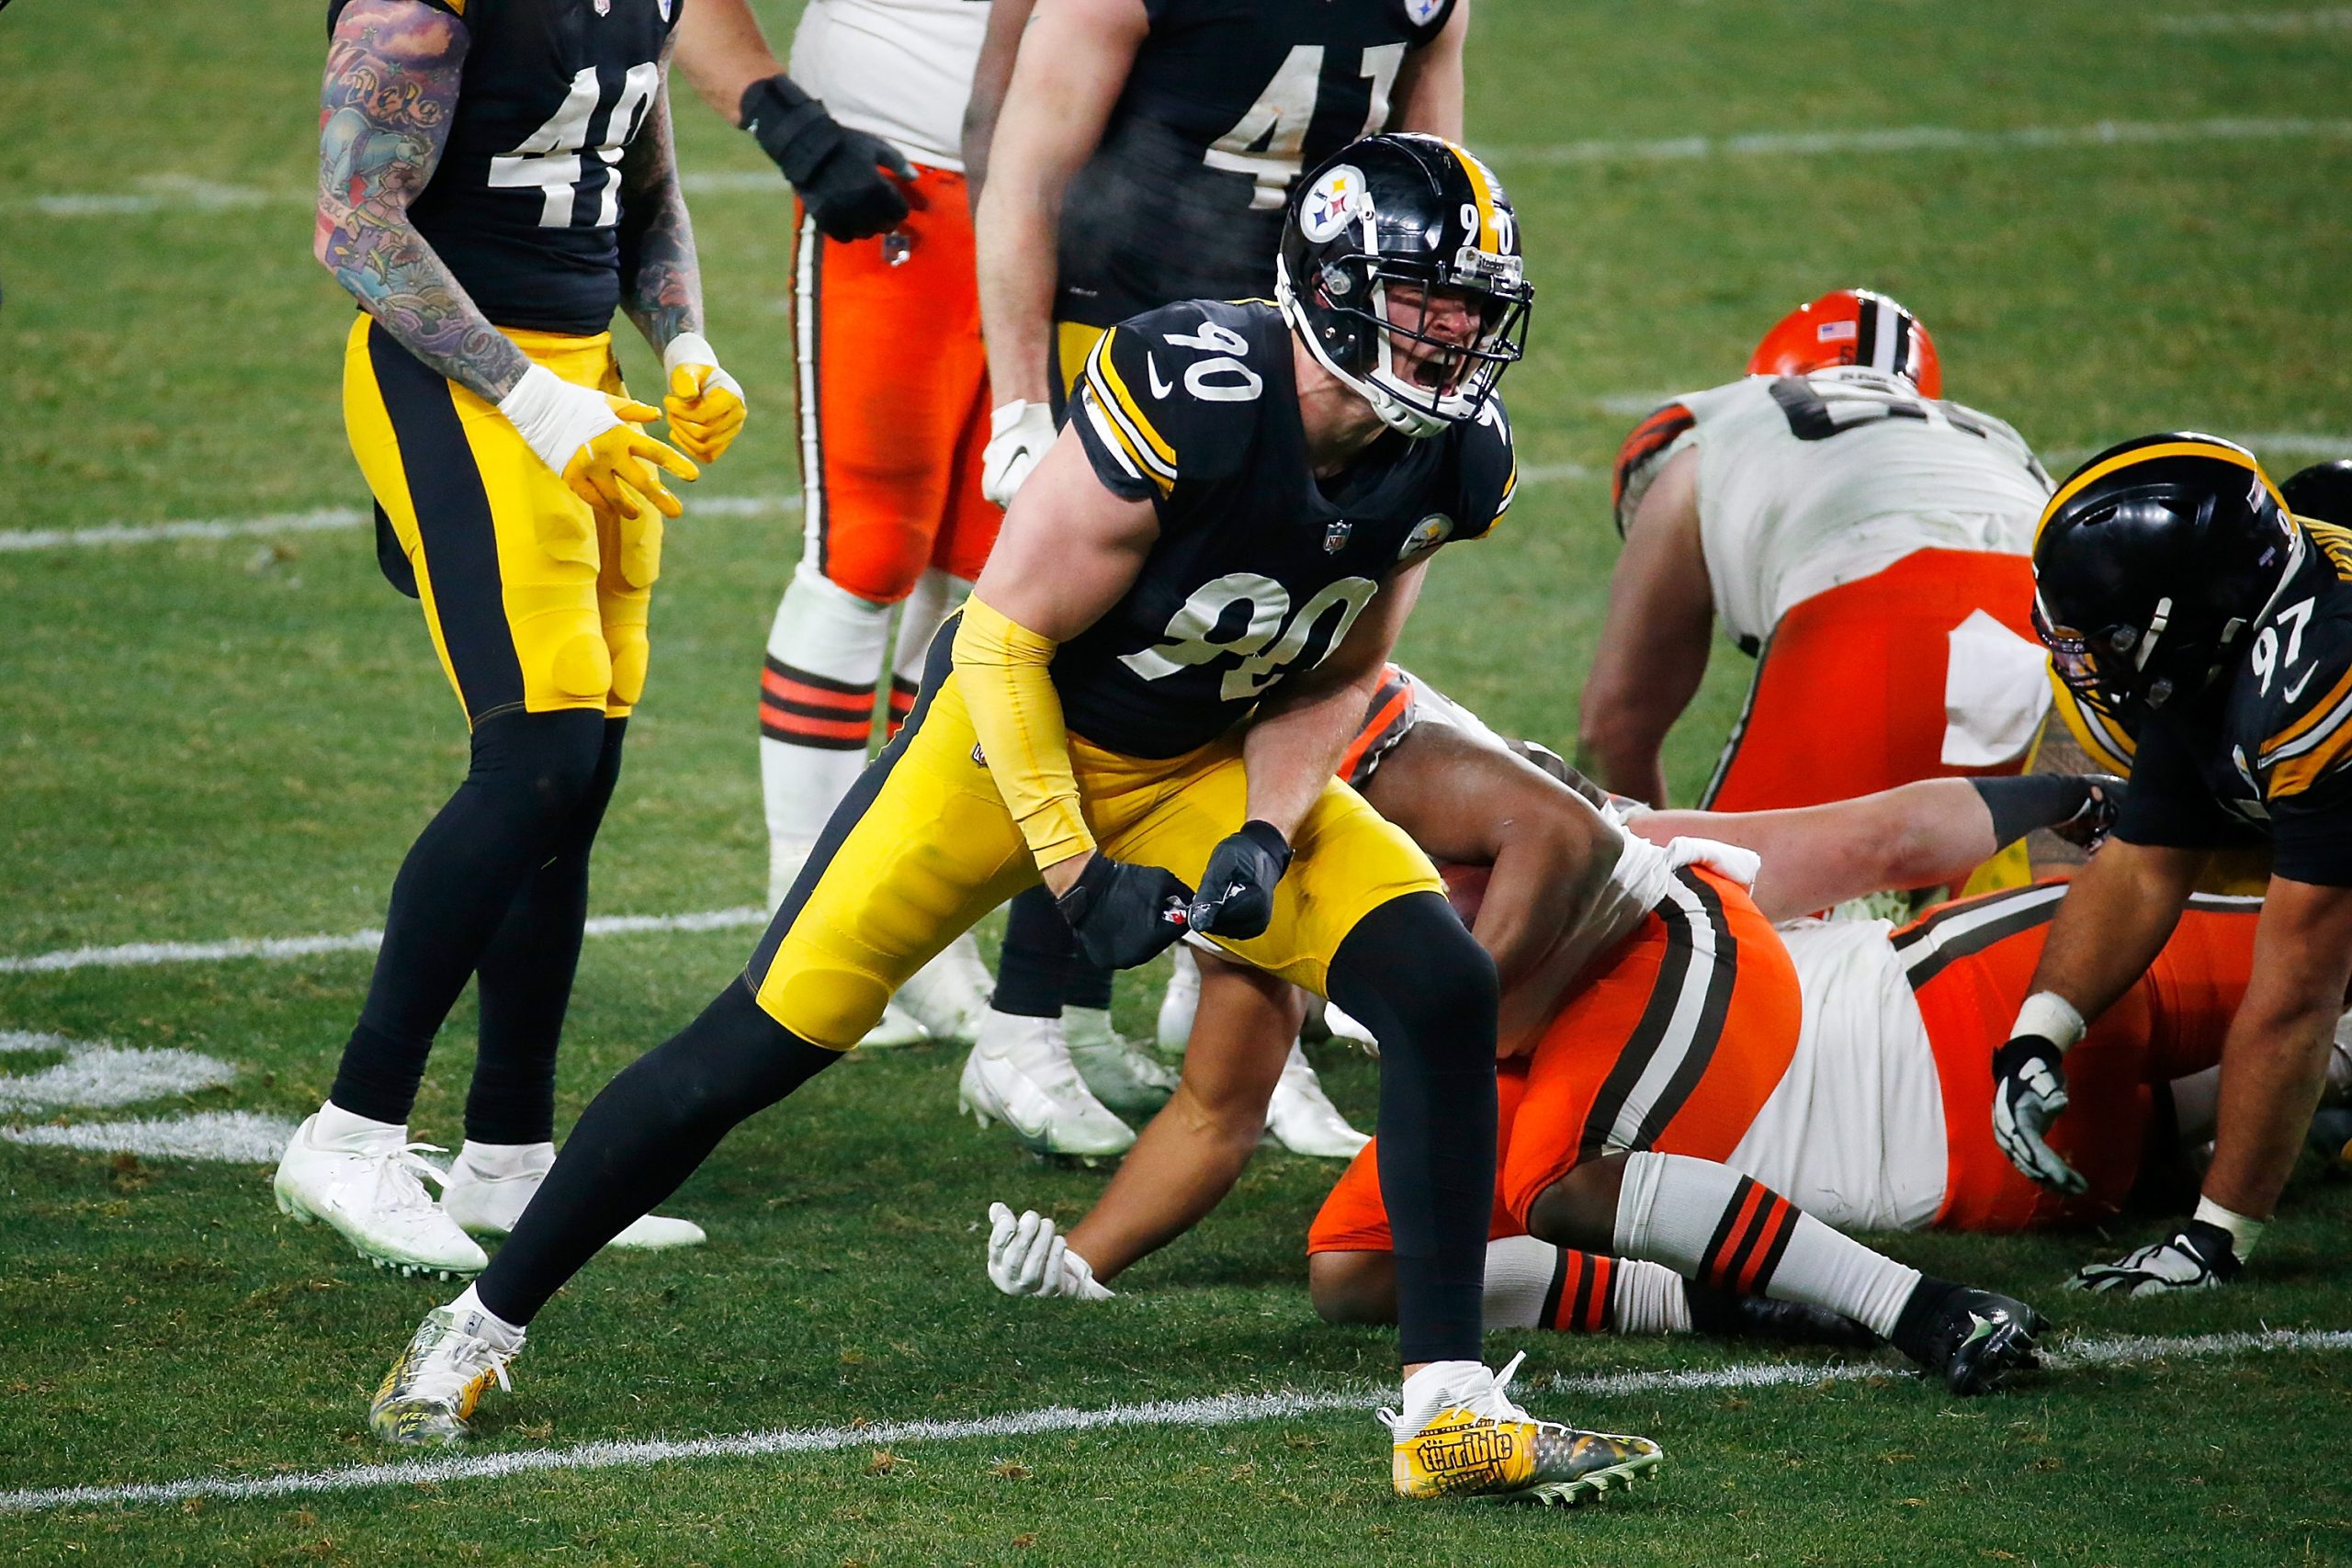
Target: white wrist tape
687, 348
2244, 1232
2050, 1015
555, 418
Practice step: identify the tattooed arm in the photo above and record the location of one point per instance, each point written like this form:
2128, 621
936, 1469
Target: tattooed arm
661, 281
384, 113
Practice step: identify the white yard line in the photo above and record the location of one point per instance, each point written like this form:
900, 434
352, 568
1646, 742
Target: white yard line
181, 193
1220, 1410
324, 519
137, 955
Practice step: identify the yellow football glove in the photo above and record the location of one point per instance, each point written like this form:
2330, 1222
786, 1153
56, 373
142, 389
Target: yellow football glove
595, 442
705, 404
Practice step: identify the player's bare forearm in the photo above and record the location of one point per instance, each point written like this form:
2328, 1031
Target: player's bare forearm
385, 109
1429, 90
661, 279
1067, 73
2118, 913
722, 51
1188, 1157
2274, 1062
992, 75
1296, 737
1654, 642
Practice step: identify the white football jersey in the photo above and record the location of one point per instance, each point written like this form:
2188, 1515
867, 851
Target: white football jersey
1809, 482
1854, 1134
899, 69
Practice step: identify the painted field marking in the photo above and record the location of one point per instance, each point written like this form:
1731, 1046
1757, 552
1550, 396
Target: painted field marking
323, 519
182, 193
1220, 1410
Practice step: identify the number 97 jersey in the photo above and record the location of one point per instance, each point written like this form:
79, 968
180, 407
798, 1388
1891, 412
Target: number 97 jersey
524, 204
1260, 569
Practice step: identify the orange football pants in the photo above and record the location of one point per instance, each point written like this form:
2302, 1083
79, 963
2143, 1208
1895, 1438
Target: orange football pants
893, 392
2170, 1023
1848, 693
1674, 1045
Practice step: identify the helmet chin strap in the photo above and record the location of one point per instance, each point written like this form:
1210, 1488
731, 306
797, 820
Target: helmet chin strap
1414, 423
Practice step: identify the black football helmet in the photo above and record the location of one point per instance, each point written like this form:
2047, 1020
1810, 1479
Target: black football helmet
2322, 492
2148, 562
1386, 239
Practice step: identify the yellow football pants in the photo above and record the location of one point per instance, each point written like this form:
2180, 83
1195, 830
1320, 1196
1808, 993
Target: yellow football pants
923, 847
519, 577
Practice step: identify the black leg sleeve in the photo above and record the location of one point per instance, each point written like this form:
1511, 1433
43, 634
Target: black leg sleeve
1039, 948
525, 977
1425, 990
643, 1135
527, 777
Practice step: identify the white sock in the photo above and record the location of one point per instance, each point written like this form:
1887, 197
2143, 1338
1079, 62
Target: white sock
1712, 1224
477, 1320
1648, 1298
822, 634
337, 1128
498, 1162
2244, 1232
1519, 1281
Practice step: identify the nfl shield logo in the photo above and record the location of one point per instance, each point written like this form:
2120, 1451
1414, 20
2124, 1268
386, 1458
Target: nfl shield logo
1335, 536
604, 7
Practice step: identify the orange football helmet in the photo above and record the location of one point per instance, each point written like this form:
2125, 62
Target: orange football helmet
1850, 326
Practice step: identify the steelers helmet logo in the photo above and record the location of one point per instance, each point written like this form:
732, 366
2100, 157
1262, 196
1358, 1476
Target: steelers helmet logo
1333, 203
1421, 12
1426, 535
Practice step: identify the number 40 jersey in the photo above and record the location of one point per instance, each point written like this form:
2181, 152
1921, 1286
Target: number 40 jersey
1808, 482
1260, 569
1227, 103
524, 204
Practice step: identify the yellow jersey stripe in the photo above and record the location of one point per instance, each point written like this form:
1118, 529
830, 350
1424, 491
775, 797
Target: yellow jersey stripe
1112, 424
2314, 720
2298, 773
1107, 373
1482, 188
2101, 741
1511, 488
2097, 471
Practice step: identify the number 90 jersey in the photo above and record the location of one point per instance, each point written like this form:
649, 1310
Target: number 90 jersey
524, 204
1260, 569
1227, 103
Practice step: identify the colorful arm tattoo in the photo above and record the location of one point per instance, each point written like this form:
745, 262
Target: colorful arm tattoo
384, 116
660, 280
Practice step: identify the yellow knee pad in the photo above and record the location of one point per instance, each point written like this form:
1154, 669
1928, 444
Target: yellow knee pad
583, 667
630, 651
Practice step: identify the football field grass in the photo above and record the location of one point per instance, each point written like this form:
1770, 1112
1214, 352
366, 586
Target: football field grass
2114, 217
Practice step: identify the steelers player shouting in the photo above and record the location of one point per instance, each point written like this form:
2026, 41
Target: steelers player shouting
1144, 695
494, 177
1172, 134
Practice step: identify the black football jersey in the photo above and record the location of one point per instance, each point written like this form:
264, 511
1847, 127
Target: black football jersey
525, 205
1260, 569
1228, 102
2267, 754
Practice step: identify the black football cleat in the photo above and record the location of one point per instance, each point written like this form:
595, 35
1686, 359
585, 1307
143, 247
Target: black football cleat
1977, 1339
1729, 1315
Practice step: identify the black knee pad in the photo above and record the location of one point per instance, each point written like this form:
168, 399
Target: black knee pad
1410, 971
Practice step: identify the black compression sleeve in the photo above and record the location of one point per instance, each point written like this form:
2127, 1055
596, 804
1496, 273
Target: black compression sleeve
2026, 801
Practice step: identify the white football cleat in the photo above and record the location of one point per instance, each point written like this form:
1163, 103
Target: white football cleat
434, 1384
1019, 1074
369, 1186
949, 996
487, 1190
1302, 1118
1179, 1001
894, 1028
1122, 1077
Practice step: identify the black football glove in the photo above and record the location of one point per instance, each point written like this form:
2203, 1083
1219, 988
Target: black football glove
2028, 1091
1124, 914
1236, 897
2088, 829
2197, 1257
837, 171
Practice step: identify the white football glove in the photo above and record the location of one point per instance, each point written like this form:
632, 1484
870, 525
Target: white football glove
2028, 1091
2198, 1257
1028, 1258
1019, 434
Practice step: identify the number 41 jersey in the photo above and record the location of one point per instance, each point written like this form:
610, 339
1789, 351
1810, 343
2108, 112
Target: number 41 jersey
1260, 569
1227, 102
524, 204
